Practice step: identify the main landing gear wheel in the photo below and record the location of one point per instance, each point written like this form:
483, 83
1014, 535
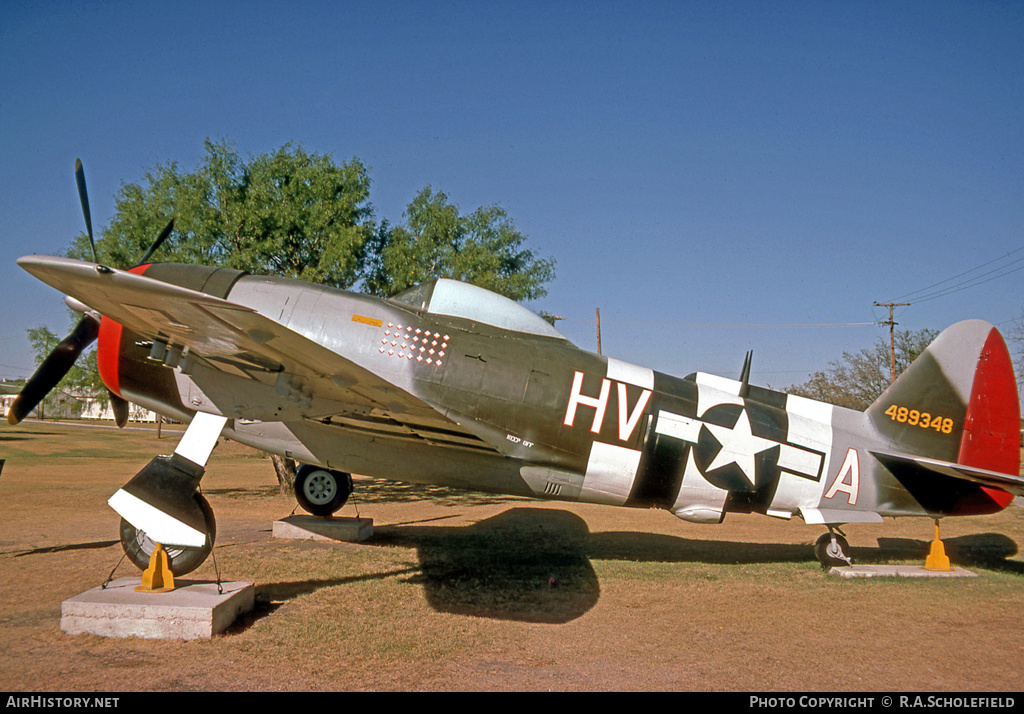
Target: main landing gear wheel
833, 551
320, 491
139, 547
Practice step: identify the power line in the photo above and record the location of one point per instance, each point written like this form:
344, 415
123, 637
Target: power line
727, 325
923, 294
971, 284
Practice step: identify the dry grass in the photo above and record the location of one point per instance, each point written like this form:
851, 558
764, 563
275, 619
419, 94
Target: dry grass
476, 592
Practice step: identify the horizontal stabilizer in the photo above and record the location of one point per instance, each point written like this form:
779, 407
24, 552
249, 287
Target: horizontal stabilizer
983, 477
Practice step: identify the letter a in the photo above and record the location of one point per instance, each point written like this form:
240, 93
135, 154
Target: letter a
851, 466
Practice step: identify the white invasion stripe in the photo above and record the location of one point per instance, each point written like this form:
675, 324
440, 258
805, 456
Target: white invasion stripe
200, 438
722, 384
678, 427
712, 391
159, 526
815, 420
698, 500
810, 426
818, 516
630, 374
610, 474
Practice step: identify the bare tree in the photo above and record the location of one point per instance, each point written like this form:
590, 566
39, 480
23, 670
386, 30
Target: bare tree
858, 379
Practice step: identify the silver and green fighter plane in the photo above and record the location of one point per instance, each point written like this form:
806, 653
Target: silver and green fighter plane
453, 385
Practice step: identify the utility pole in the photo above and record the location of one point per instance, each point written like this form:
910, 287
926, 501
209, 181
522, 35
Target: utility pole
892, 335
597, 319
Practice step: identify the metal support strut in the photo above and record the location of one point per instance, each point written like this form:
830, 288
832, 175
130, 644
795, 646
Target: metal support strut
159, 500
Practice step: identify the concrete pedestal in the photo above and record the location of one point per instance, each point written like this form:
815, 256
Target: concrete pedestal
351, 530
194, 610
899, 571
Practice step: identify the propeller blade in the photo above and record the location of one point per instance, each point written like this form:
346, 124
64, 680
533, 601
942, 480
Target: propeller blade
156, 244
120, 407
83, 196
60, 361
53, 368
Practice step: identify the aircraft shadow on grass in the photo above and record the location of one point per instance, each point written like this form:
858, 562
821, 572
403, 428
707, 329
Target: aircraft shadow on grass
535, 564
529, 565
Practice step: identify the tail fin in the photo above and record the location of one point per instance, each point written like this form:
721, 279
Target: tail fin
956, 403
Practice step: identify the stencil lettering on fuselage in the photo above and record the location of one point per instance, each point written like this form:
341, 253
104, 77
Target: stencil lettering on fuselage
848, 480
628, 415
611, 468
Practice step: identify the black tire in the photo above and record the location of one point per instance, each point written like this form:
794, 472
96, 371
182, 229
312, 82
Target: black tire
321, 491
183, 560
832, 551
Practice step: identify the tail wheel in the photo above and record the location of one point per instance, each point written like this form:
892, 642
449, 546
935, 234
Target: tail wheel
321, 491
833, 551
139, 547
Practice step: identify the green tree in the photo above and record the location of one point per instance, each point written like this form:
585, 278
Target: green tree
300, 215
437, 241
858, 379
288, 213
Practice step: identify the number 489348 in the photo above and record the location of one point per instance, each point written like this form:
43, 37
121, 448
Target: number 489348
924, 420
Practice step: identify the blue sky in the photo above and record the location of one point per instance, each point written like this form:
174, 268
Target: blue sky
714, 176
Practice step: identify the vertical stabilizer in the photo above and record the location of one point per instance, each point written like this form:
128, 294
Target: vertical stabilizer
957, 403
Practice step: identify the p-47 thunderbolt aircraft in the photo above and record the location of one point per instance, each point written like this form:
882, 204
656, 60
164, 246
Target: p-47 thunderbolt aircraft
450, 384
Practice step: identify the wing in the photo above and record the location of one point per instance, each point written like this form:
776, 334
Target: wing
226, 335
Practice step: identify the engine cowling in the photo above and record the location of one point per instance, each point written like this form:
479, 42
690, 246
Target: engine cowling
129, 364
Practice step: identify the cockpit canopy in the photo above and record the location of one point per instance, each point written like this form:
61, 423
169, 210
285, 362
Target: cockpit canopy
458, 299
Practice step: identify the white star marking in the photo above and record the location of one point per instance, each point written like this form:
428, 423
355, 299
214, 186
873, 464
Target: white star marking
739, 446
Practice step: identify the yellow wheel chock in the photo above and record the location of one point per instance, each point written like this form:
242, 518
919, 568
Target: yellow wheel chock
937, 559
157, 578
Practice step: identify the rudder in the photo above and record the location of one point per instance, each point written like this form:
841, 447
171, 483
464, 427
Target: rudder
991, 434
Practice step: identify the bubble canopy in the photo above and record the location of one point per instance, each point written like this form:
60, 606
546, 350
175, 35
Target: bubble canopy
458, 299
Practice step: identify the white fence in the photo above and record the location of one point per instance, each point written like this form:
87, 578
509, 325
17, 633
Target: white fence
77, 407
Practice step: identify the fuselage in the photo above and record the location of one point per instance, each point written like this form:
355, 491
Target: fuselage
519, 411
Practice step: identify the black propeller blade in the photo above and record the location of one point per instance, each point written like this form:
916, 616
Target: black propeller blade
156, 244
120, 407
83, 196
53, 368
63, 357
